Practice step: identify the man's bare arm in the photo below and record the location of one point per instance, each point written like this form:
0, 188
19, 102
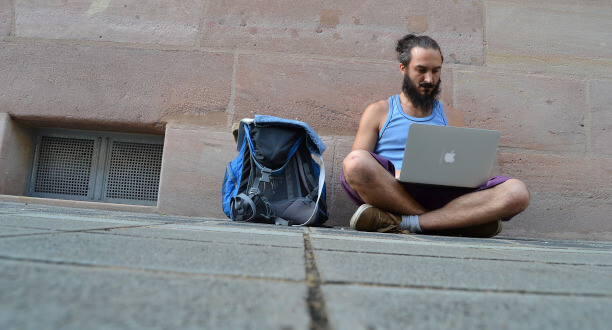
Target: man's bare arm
369, 126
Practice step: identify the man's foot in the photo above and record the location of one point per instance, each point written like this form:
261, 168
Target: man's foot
370, 218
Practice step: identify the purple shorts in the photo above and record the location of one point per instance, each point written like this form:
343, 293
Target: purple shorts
431, 197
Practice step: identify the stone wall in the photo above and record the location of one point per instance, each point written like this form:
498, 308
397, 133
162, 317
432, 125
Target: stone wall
540, 72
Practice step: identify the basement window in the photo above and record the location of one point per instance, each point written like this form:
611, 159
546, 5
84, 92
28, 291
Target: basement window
96, 166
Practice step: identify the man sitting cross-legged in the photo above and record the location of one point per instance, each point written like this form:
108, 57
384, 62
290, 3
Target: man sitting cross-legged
370, 170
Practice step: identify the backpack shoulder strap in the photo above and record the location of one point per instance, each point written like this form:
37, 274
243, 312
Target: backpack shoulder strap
319, 193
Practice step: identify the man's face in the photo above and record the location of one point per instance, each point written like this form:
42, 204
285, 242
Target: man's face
424, 69
422, 77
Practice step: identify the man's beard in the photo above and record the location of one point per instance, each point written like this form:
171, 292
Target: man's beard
418, 100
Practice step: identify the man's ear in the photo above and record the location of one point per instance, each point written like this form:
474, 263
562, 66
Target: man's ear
403, 68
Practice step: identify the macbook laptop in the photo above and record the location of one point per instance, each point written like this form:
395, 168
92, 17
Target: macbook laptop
449, 156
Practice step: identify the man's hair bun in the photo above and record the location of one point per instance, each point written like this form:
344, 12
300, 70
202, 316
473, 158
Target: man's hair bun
404, 46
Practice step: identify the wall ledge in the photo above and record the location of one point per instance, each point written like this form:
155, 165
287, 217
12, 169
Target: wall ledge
79, 204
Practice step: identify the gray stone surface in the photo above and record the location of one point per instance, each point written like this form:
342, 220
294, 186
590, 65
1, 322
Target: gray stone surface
216, 233
53, 296
108, 249
64, 222
479, 274
6, 13
557, 256
371, 307
491, 249
64, 268
6, 231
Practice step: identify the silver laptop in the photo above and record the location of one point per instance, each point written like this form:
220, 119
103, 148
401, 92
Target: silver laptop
449, 156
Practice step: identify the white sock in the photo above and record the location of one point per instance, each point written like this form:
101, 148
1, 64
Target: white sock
410, 223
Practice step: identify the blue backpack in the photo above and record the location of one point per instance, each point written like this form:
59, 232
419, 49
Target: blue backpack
274, 179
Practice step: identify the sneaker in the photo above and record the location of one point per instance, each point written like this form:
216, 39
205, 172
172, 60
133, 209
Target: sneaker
370, 218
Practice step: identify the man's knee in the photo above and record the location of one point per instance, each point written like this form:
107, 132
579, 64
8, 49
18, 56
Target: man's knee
516, 196
358, 166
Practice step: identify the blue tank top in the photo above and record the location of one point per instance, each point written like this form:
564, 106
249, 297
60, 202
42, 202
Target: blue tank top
392, 137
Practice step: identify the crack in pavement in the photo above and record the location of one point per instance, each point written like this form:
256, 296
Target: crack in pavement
315, 300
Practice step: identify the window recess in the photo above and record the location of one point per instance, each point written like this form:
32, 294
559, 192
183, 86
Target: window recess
96, 166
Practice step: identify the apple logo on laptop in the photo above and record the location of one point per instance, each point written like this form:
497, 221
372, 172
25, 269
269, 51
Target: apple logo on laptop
449, 157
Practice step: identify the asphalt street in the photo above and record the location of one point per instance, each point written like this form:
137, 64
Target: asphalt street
67, 268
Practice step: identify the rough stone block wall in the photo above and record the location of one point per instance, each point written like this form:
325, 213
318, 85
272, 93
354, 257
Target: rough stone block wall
15, 148
540, 72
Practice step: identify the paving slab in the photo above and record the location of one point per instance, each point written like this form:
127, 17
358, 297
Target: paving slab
218, 234
157, 254
409, 245
370, 307
568, 257
19, 231
64, 222
456, 274
50, 296
551, 252
39, 210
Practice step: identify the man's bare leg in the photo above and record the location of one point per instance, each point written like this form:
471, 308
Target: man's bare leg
376, 186
379, 188
503, 200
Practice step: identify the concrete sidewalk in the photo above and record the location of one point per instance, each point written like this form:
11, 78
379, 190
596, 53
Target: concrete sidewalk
64, 268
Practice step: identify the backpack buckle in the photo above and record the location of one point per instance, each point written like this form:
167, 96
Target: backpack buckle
254, 191
265, 174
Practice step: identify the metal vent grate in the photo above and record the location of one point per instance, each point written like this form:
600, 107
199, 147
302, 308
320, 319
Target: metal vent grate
133, 171
64, 166
96, 166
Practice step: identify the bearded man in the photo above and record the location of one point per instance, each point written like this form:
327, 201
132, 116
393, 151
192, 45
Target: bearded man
370, 170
